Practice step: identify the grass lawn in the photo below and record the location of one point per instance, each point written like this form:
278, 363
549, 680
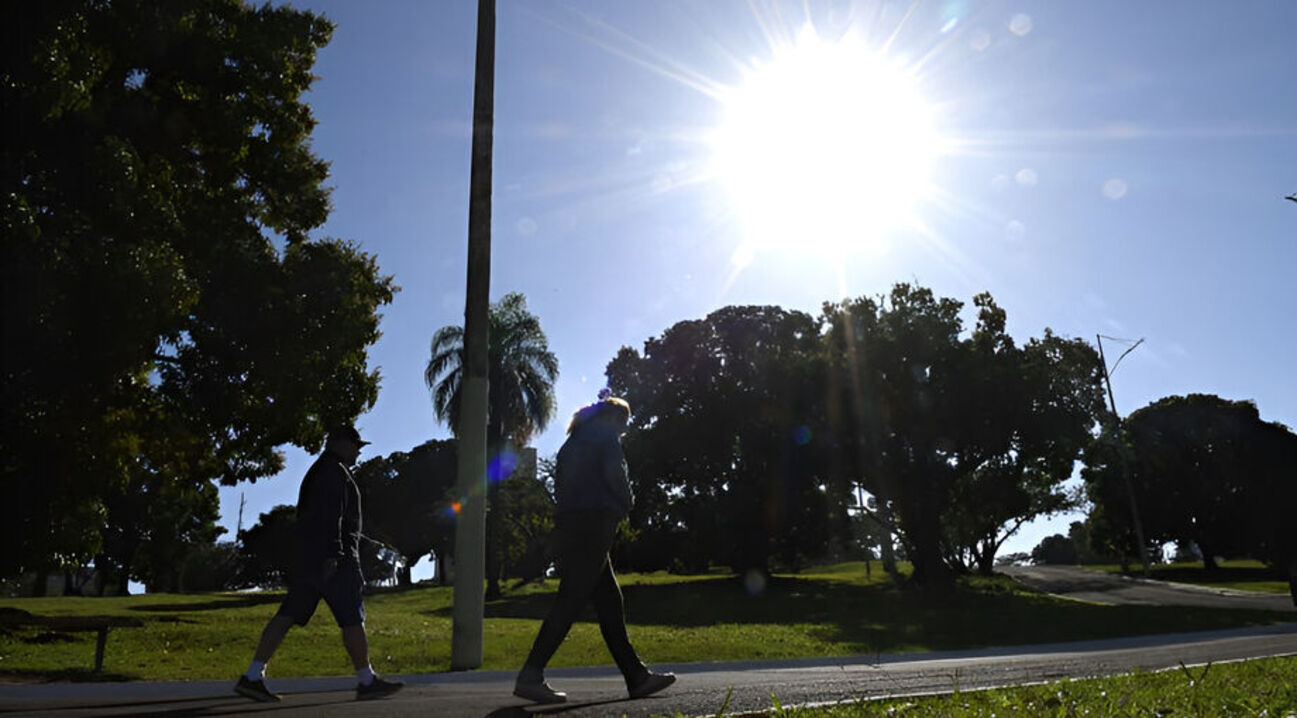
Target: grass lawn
823, 612
1263, 687
1240, 575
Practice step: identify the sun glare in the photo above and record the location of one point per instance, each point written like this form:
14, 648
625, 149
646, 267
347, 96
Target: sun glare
827, 147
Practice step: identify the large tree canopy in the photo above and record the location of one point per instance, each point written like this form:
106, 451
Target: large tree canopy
407, 497
724, 447
166, 314
961, 438
752, 426
1203, 469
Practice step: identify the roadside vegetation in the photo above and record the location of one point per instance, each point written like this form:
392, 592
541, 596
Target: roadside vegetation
1240, 575
827, 611
1262, 687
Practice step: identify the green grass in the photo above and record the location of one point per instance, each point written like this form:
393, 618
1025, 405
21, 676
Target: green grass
1263, 687
822, 612
1239, 575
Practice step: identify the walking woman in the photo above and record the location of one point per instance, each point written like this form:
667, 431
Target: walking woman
594, 495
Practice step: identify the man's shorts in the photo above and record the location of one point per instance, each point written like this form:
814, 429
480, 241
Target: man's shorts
341, 591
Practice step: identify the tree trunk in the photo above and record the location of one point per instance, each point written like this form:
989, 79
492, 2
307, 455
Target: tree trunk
101, 579
886, 547
930, 572
924, 529
986, 560
42, 578
888, 550
403, 576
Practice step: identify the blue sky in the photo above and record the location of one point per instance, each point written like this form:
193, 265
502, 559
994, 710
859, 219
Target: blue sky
1099, 167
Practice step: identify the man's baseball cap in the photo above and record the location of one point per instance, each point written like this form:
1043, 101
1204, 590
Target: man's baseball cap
348, 432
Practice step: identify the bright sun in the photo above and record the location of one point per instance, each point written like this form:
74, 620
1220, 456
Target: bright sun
827, 147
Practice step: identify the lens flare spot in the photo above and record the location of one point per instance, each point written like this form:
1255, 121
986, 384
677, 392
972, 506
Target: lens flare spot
501, 466
754, 582
802, 435
1020, 24
455, 508
1114, 188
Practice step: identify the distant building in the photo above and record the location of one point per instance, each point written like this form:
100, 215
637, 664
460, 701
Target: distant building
526, 466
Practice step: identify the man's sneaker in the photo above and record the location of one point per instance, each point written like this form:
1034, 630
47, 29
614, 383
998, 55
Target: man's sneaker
256, 690
651, 683
377, 688
538, 692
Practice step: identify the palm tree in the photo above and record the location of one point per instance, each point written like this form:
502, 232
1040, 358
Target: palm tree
521, 374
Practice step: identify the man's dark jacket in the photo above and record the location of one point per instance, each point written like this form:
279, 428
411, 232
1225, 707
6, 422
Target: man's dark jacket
328, 517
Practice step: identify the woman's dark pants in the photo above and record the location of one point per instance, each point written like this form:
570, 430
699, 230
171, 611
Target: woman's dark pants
583, 539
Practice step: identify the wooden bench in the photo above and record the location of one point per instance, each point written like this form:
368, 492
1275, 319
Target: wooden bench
15, 617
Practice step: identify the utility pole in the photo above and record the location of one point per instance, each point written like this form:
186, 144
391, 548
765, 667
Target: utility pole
470, 525
1121, 451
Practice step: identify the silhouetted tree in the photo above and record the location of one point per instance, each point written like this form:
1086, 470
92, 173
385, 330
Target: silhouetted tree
266, 548
963, 439
406, 498
214, 567
725, 444
1204, 469
157, 189
1031, 413
1056, 549
1089, 549
1273, 498
528, 510
894, 363
521, 373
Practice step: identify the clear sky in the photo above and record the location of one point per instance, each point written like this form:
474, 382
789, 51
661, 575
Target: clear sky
1099, 167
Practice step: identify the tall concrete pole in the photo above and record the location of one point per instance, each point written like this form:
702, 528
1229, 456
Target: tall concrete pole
470, 527
1121, 454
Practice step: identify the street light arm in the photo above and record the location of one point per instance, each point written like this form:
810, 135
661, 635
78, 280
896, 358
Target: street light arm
1123, 355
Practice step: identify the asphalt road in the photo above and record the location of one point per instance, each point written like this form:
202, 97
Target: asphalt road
1099, 587
703, 688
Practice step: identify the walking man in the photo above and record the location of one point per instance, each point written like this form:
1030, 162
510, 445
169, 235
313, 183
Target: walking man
326, 565
594, 495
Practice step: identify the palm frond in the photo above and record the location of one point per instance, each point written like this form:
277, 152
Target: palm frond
521, 371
